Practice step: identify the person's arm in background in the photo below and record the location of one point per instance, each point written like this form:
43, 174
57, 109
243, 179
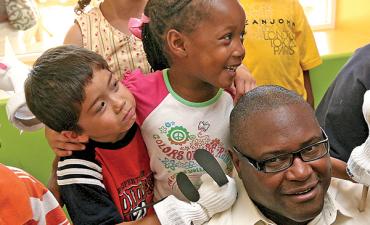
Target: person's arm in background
339, 169
309, 56
74, 36
308, 87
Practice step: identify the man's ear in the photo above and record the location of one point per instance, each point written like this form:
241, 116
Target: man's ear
74, 137
176, 43
235, 160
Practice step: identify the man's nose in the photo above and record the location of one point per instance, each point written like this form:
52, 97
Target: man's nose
299, 171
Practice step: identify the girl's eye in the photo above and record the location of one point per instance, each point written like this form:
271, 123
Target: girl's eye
242, 37
228, 37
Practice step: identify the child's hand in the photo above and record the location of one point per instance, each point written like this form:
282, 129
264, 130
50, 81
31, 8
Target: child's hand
244, 81
63, 145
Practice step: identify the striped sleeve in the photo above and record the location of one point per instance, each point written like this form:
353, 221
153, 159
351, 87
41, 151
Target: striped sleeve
81, 186
79, 171
45, 208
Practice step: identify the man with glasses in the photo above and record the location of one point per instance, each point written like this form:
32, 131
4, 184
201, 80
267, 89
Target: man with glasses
281, 156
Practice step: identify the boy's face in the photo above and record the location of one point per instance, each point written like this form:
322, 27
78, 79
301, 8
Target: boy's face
108, 110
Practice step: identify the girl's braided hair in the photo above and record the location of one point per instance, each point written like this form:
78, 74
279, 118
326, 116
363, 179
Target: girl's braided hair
182, 15
81, 4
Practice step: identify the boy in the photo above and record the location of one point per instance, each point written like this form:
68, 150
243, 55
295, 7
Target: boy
71, 90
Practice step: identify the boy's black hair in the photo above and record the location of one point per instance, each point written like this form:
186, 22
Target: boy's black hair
182, 15
55, 88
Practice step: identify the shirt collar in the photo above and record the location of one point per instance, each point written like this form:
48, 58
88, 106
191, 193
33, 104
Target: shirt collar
328, 215
331, 211
253, 214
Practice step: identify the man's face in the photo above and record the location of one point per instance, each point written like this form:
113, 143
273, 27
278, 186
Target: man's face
298, 192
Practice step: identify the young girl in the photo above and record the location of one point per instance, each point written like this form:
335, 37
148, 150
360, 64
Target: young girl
184, 108
104, 30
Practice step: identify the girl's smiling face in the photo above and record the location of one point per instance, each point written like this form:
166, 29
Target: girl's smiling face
215, 48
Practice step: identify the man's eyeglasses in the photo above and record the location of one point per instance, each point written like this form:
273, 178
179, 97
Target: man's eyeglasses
284, 161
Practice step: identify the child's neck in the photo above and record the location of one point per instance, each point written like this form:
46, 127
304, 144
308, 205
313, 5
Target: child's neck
190, 88
118, 12
110, 139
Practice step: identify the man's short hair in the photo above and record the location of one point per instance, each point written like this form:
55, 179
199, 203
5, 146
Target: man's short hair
55, 88
260, 99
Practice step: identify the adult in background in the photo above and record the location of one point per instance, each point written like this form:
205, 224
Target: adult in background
340, 110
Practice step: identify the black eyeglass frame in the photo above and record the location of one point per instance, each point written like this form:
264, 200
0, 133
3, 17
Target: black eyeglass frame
260, 165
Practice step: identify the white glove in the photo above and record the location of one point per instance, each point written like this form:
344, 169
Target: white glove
358, 166
216, 199
172, 211
19, 114
13, 73
213, 199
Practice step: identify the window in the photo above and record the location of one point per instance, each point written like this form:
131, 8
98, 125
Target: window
320, 13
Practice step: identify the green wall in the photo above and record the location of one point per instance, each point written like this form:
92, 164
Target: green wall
322, 76
28, 151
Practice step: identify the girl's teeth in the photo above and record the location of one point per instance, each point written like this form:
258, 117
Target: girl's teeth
232, 68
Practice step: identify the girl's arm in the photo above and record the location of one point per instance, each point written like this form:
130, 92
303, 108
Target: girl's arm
63, 145
74, 36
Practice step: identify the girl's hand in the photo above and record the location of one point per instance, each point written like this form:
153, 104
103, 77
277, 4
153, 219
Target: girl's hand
63, 145
244, 81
